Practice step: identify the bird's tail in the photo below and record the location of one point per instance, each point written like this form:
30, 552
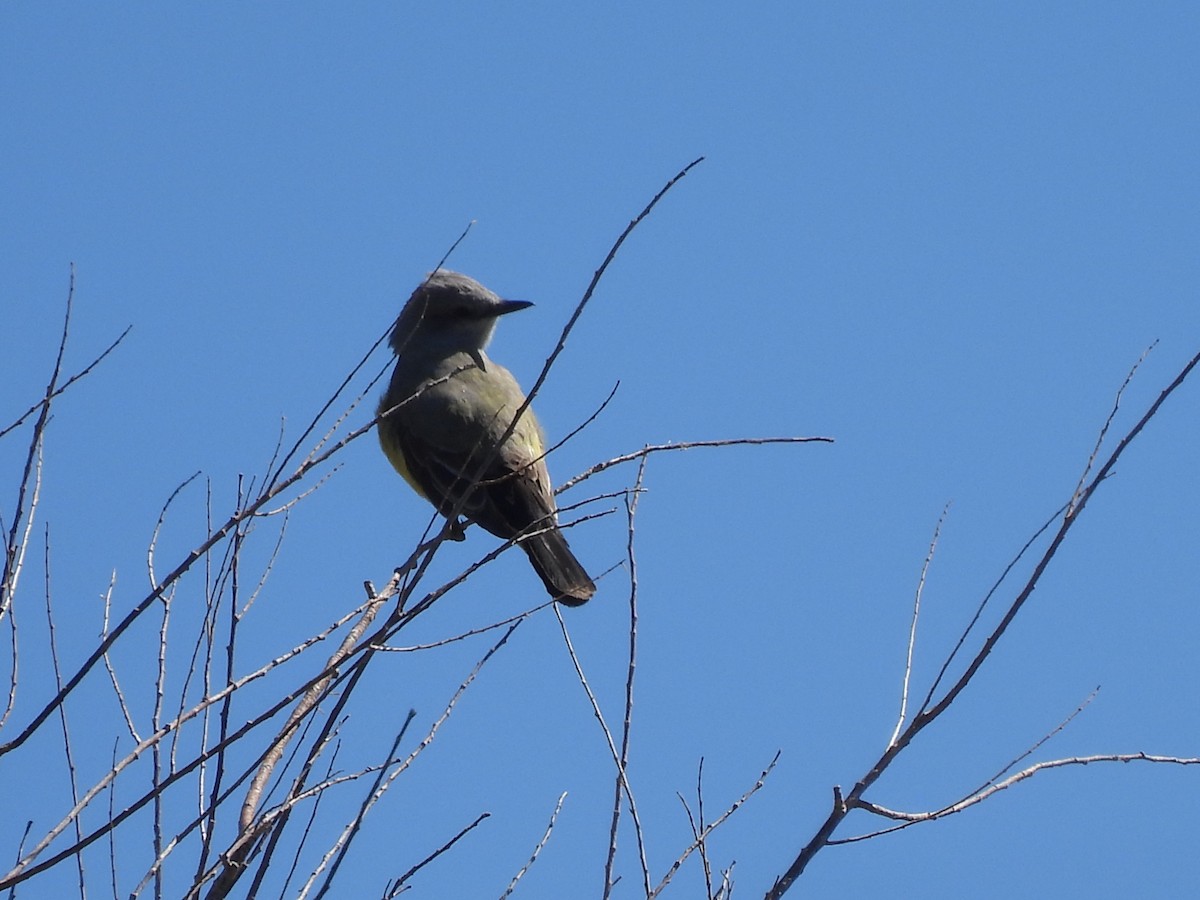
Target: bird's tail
558, 568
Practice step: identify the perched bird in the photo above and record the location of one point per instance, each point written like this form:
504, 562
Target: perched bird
450, 408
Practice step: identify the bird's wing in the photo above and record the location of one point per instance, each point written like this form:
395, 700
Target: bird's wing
445, 441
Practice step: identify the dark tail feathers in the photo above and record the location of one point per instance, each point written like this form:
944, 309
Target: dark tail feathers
558, 568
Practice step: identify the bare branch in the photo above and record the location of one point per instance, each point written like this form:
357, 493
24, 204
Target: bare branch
342, 845
395, 888
17, 539
14, 670
312, 818
14, 548
929, 714
698, 827
1008, 767
466, 634
536, 850
68, 750
1069, 518
201, 551
622, 774
709, 829
162, 516
966, 632
683, 445
984, 794
702, 842
912, 631
25, 868
108, 665
1112, 414
58, 391
591, 289
306, 704
383, 785
631, 504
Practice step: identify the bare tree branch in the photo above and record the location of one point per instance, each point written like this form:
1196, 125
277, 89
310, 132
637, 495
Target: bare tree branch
14, 546
980, 796
682, 445
1008, 767
536, 850
622, 774
854, 799
68, 749
631, 504
395, 888
912, 631
713, 826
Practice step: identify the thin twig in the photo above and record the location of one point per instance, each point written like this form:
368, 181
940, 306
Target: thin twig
682, 445
466, 634
622, 774
927, 715
1112, 414
14, 548
591, 289
698, 828
25, 868
162, 517
112, 838
419, 749
14, 669
1008, 767
536, 850
68, 750
631, 504
215, 537
16, 557
155, 723
342, 845
58, 391
213, 603
268, 567
701, 839
298, 853
716, 823
108, 664
996, 585
726, 888
1069, 518
912, 631
395, 888
595, 414
1017, 779
26, 509
310, 699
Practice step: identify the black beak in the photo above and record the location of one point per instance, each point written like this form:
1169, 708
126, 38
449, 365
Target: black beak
509, 306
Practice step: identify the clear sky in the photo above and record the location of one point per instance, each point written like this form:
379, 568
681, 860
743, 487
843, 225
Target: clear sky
940, 233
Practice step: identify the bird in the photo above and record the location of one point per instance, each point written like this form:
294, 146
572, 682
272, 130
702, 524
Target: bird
446, 425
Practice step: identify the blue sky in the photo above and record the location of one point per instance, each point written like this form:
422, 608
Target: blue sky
939, 233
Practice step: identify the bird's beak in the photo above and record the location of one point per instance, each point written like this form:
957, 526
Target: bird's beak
509, 306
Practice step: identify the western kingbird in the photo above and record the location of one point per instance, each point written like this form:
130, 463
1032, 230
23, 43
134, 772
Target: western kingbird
451, 407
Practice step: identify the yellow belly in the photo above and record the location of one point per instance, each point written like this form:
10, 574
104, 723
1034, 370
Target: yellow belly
395, 455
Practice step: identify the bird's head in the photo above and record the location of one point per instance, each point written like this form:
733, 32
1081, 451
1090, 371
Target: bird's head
449, 312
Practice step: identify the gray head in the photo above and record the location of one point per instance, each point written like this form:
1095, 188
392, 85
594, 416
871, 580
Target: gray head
447, 313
